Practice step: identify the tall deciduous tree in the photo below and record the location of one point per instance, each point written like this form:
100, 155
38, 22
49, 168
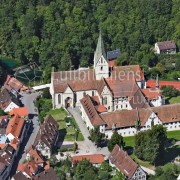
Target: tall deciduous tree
115, 139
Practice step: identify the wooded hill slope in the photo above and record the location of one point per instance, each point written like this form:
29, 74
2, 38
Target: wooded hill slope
63, 33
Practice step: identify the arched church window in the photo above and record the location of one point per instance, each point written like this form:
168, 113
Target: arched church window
59, 99
101, 68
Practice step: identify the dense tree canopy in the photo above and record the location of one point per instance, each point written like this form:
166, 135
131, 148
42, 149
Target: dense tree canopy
64, 33
150, 144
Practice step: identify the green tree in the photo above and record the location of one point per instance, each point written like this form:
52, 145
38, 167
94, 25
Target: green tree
150, 144
96, 136
115, 139
169, 91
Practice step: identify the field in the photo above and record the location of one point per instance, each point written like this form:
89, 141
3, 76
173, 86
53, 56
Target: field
66, 133
174, 135
172, 100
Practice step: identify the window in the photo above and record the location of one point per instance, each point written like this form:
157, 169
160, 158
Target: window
92, 93
116, 107
108, 107
126, 105
84, 93
59, 99
101, 68
101, 60
105, 100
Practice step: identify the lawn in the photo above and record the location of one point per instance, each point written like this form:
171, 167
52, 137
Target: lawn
174, 135
172, 100
66, 133
129, 141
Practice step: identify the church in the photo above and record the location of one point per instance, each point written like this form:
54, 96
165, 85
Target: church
115, 98
115, 87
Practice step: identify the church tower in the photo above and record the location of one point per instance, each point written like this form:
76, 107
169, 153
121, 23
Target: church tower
100, 63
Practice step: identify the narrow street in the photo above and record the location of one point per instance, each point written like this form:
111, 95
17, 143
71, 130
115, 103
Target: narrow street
28, 101
86, 146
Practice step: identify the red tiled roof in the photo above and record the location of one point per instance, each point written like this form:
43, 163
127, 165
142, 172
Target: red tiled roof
15, 143
168, 113
90, 110
130, 70
121, 88
123, 161
92, 158
13, 83
22, 111
166, 45
152, 84
125, 118
101, 108
15, 126
151, 93
35, 155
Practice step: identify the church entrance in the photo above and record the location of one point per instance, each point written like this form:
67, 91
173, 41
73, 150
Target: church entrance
68, 102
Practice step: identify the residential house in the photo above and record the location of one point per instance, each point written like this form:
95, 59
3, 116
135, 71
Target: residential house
7, 157
123, 163
21, 111
47, 175
47, 137
12, 84
95, 159
7, 100
16, 128
35, 164
165, 47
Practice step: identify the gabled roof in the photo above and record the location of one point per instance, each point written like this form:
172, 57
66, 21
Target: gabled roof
152, 93
123, 161
35, 155
90, 110
13, 83
46, 175
121, 88
92, 158
165, 45
21, 111
47, 132
77, 80
6, 98
135, 71
125, 118
19, 176
168, 113
15, 126
113, 54
29, 168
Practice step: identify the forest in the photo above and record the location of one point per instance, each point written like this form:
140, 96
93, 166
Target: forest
63, 33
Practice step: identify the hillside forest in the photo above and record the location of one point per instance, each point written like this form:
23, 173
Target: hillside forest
63, 33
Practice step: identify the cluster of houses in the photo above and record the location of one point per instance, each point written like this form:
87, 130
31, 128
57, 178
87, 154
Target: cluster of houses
118, 160
14, 129
113, 97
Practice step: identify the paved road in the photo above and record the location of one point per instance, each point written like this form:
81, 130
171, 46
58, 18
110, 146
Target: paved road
149, 171
86, 146
27, 100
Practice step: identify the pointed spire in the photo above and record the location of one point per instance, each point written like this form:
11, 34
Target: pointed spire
157, 81
99, 49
